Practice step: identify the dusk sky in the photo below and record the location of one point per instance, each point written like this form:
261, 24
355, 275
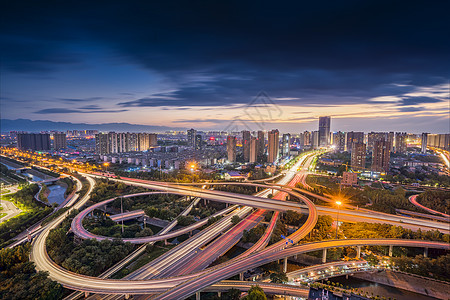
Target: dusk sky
370, 65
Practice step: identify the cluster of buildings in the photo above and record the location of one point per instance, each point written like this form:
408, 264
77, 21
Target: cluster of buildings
113, 142
41, 141
212, 147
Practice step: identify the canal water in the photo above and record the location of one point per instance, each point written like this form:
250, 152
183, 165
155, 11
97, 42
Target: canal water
57, 191
379, 289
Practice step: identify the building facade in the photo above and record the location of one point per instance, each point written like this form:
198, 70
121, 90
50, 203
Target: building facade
324, 131
59, 141
274, 145
33, 141
381, 156
358, 156
231, 148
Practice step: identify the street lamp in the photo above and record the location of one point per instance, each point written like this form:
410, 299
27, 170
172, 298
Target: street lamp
106, 164
338, 203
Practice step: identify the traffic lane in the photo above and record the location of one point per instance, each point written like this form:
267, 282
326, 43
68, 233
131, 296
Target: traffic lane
190, 287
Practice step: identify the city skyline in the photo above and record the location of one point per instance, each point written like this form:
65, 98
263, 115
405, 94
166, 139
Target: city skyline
68, 63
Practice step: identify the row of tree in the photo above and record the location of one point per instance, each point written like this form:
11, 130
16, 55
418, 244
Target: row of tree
19, 279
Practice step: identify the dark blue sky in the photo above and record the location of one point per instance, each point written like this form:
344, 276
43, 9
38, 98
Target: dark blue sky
371, 65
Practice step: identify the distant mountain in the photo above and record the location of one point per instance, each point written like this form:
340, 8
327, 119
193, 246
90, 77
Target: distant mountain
41, 125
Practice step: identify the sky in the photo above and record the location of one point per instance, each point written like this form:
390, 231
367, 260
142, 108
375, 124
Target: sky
221, 65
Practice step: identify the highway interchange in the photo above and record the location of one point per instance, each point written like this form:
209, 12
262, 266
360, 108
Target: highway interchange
186, 281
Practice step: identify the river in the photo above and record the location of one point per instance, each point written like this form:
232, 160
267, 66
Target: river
380, 289
57, 191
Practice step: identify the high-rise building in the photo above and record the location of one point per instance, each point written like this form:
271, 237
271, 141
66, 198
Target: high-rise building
246, 145
191, 133
198, 142
439, 141
102, 143
358, 158
253, 150
401, 142
373, 137
380, 156
424, 142
59, 141
391, 137
339, 141
353, 137
261, 144
307, 138
146, 140
324, 131
33, 141
286, 144
231, 148
274, 145
315, 139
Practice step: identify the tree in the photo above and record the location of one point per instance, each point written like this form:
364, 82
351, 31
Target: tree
293, 218
255, 293
278, 277
235, 220
144, 232
232, 294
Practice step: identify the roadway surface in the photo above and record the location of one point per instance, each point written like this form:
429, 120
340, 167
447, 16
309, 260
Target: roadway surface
10, 209
184, 286
413, 200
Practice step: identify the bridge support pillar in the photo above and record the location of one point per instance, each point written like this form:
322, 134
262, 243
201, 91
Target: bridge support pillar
127, 296
241, 276
425, 252
86, 294
285, 265
324, 256
197, 296
165, 242
391, 248
219, 294
358, 252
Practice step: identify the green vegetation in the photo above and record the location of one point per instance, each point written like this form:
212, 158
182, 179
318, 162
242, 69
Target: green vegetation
255, 293
235, 220
54, 215
43, 193
19, 279
10, 176
426, 177
181, 176
437, 268
237, 189
280, 229
71, 185
185, 220
377, 230
293, 218
253, 235
437, 200
278, 277
33, 211
90, 257
106, 189
45, 171
101, 225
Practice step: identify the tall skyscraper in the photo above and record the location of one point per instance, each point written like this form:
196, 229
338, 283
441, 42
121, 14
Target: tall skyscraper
59, 141
253, 150
261, 144
246, 145
424, 142
231, 148
33, 141
324, 131
358, 156
401, 142
339, 141
353, 137
286, 144
380, 156
191, 133
274, 145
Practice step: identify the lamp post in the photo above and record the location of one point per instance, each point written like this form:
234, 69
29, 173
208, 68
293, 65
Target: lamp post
106, 164
338, 203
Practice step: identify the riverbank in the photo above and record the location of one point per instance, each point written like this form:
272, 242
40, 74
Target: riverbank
409, 282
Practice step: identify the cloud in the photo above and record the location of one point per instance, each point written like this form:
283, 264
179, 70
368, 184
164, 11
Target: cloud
419, 100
